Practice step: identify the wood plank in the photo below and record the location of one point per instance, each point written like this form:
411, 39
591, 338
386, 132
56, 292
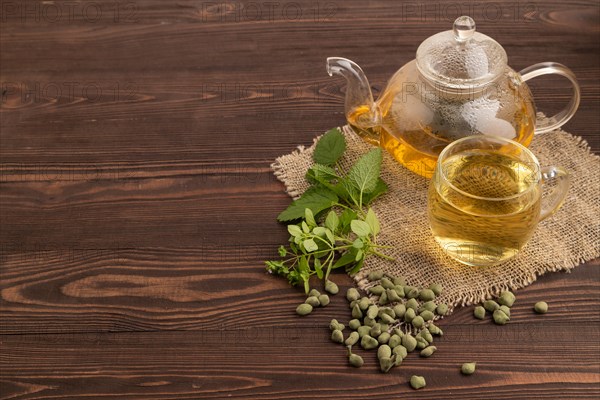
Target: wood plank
176, 289
299, 362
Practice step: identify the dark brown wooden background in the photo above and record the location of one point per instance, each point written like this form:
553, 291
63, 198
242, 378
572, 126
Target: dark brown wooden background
137, 204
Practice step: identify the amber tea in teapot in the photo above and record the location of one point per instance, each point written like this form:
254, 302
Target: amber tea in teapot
459, 85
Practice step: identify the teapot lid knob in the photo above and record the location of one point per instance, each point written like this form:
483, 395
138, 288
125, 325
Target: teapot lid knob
464, 28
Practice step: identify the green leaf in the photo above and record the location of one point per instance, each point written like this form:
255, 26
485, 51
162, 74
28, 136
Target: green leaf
344, 260
317, 198
320, 173
282, 251
361, 228
359, 255
356, 267
330, 236
309, 217
310, 245
305, 227
294, 230
319, 231
364, 174
345, 219
358, 244
330, 147
348, 192
332, 221
373, 222
380, 188
318, 268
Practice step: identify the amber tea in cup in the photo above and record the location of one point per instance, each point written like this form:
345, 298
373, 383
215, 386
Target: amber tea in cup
485, 198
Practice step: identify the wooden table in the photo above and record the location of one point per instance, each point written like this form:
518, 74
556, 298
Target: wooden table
137, 204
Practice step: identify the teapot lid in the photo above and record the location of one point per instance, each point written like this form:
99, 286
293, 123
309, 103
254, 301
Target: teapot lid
461, 58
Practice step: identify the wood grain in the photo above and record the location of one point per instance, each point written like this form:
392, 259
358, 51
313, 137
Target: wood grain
137, 204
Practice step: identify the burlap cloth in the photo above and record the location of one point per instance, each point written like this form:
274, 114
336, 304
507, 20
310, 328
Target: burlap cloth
561, 242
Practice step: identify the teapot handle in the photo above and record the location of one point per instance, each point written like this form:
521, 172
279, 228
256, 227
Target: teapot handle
563, 116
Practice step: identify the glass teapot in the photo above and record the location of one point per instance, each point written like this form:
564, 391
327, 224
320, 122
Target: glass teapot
459, 85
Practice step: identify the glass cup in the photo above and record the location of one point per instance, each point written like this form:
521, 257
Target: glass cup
485, 198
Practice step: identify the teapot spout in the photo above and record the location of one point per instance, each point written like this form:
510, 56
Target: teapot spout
361, 111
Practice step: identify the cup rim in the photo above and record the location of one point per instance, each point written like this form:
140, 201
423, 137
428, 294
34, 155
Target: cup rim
497, 138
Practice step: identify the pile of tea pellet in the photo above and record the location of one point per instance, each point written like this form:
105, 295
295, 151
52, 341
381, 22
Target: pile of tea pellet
398, 319
394, 330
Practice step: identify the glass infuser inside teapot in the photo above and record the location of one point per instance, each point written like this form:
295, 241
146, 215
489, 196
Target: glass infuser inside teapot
459, 85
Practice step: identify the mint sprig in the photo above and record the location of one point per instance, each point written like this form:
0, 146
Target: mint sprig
340, 240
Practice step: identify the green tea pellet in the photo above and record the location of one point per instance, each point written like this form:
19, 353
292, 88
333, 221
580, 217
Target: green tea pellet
491, 305
352, 294
355, 360
428, 351
367, 342
375, 330
387, 319
399, 280
426, 334
376, 290
418, 322
323, 300
442, 309
400, 352
399, 310
386, 311
331, 287
394, 341
354, 324
436, 288
386, 363
427, 315
372, 311
479, 312
411, 293
426, 295
369, 321
313, 301
429, 306
409, 315
386, 283
435, 330
409, 342
384, 338
364, 303
352, 339
399, 289
393, 296
375, 275
314, 292
417, 382
334, 324
500, 317
421, 342
337, 336
383, 299
541, 307
507, 299
304, 309
356, 312
412, 303
363, 330
384, 351
505, 310
468, 368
